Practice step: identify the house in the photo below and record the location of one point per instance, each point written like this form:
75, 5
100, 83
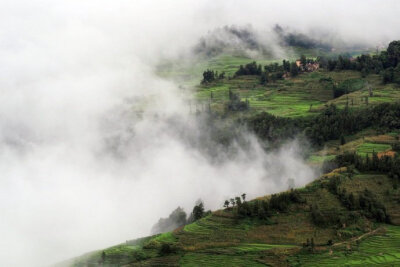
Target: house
309, 67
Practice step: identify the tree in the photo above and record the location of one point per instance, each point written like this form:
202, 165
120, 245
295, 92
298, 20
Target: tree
387, 75
176, 219
294, 70
396, 74
226, 204
238, 201
261, 212
393, 53
244, 197
249, 69
286, 65
198, 211
208, 76
303, 60
342, 140
232, 202
235, 103
264, 78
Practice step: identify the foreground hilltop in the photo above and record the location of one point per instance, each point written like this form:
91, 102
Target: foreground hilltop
344, 217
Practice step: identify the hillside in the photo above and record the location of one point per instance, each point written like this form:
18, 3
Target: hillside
224, 238
350, 215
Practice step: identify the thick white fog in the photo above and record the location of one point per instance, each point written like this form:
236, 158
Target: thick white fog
79, 168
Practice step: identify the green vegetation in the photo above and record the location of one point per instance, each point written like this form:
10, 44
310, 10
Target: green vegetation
198, 259
290, 234
380, 250
369, 148
347, 109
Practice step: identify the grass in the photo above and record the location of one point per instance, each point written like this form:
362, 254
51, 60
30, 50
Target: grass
221, 239
200, 259
166, 238
369, 148
256, 247
303, 95
198, 228
299, 97
189, 74
380, 250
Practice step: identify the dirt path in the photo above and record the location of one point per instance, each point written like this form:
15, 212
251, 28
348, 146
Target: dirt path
358, 237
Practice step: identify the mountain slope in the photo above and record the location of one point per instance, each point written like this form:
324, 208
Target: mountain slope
279, 240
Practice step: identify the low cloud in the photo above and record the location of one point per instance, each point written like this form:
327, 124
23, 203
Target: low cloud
94, 147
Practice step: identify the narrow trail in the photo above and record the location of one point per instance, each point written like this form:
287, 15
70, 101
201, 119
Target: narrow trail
358, 237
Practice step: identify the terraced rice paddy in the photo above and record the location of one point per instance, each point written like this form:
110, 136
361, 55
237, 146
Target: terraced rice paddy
203, 259
382, 250
369, 148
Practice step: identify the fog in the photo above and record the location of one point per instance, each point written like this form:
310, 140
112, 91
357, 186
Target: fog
80, 168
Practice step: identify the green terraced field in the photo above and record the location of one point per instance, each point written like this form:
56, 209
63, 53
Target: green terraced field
190, 73
369, 148
256, 247
197, 228
223, 239
382, 250
200, 259
166, 237
303, 95
287, 98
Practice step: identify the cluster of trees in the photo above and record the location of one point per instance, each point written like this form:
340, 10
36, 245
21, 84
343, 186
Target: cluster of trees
331, 124
366, 202
326, 217
273, 128
332, 217
385, 164
198, 212
273, 71
372, 207
249, 69
210, 76
263, 209
235, 103
385, 63
391, 74
178, 218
